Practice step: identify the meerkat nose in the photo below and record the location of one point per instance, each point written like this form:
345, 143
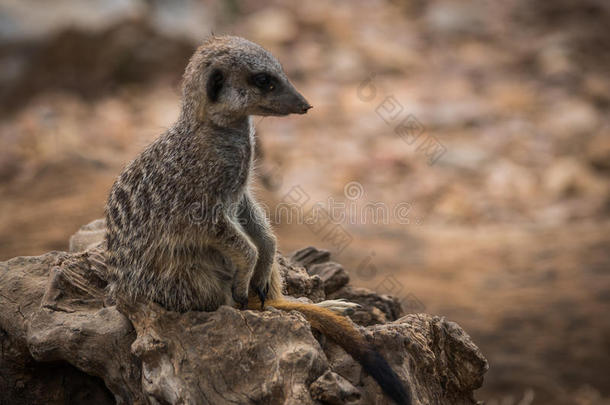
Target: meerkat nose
305, 107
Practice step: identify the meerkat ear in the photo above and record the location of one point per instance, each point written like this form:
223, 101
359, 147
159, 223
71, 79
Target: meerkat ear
214, 85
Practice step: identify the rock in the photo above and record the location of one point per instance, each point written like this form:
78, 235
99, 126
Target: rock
316, 263
308, 256
88, 236
214, 357
332, 274
435, 348
333, 389
24, 281
64, 342
368, 316
298, 283
375, 308
453, 347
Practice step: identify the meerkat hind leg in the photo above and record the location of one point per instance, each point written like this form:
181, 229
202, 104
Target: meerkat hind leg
235, 245
340, 306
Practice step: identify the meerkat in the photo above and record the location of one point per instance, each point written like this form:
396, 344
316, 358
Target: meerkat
183, 228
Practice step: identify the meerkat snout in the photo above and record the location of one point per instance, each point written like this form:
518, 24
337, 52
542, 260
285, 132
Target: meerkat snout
273, 94
294, 101
305, 106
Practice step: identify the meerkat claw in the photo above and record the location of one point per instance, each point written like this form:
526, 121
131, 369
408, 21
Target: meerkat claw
262, 295
340, 306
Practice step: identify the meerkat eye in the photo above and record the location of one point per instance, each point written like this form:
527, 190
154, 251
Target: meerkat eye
263, 81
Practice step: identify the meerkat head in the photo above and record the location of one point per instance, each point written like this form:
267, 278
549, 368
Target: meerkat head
229, 78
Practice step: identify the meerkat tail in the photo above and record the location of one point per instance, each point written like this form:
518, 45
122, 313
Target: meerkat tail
341, 330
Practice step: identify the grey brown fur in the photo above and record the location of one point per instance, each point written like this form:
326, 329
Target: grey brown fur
183, 227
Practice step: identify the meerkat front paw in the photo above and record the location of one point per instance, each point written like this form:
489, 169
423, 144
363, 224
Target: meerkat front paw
262, 294
240, 296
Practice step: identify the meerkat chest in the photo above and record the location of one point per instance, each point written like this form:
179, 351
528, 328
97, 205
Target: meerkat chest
234, 160
244, 157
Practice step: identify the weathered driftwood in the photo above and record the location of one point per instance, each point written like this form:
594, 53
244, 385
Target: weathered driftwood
63, 343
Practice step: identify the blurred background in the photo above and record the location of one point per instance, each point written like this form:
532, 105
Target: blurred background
468, 143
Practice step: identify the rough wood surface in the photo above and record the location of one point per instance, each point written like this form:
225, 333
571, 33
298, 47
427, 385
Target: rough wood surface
63, 343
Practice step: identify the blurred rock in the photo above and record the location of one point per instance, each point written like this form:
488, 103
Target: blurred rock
598, 151
306, 56
332, 274
9, 165
598, 87
446, 17
389, 55
309, 256
27, 20
456, 203
345, 64
569, 177
314, 14
449, 113
182, 19
555, 59
88, 236
84, 64
464, 157
513, 97
272, 26
571, 117
508, 180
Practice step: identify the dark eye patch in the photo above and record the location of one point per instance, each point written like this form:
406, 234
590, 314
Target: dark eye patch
264, 81
214, 84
